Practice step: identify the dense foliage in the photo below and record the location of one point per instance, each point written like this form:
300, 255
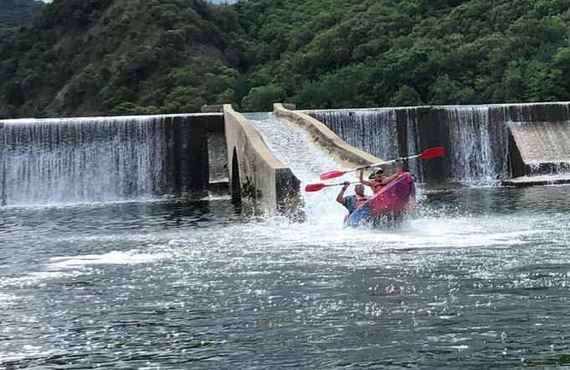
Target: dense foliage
168, 56
18, 12
120, 57
346, 53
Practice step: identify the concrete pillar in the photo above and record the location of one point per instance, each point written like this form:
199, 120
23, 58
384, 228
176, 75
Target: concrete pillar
186, 162
433, 131
3, 169
191, 152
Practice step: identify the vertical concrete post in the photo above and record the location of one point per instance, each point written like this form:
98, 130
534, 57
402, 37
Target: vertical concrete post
402, 127
195, 170
433, 131
289, 201
3, 169
217, 151
186, 162
169, 162
516, 164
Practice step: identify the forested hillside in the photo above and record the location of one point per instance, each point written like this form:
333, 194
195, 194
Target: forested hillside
169, 56
120, 57
345, 53
18, 12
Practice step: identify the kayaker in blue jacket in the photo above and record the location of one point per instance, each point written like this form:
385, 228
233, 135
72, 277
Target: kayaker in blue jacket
352, 202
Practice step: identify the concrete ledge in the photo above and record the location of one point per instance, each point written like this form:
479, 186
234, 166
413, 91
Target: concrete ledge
542, 146
525, 181
347, 154
221, 185
255, 172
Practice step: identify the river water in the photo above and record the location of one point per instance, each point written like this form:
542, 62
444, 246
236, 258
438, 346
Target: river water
478, 278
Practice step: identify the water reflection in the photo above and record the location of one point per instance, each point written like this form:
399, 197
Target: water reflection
502, 200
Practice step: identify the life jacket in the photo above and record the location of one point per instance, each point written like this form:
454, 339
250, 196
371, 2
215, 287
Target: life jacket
377, 186
360, 200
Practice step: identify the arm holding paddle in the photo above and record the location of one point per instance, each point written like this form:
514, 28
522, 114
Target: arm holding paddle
429, 153
340, 196
362, 181
395, 175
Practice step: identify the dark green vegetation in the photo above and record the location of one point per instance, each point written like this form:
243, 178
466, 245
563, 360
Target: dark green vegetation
168, 56
343, 53
18, 12
120, 57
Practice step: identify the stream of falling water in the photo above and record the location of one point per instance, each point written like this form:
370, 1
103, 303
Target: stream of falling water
293, 146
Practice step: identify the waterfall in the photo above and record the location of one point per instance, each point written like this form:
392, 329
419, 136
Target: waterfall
413, 144
374, 131
59, 161
478, 146
294, 146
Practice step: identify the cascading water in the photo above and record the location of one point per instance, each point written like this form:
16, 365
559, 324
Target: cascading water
478, 147
294, 147
62, 161
413, 145
374, 131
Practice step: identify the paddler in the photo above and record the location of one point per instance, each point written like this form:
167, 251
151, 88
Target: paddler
377, 179
352, 202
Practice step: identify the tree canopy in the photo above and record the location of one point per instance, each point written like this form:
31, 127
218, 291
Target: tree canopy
169, 56
120, 57
342, 53
18, 12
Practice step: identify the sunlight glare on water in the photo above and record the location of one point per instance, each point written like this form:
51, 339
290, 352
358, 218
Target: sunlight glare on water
476, 275
476, 278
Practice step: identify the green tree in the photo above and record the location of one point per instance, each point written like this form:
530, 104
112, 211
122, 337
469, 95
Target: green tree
261, 99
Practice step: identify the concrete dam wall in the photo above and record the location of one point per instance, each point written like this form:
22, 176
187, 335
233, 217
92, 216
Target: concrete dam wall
255, 173
75, 160
486, 143
78, 160
326, 138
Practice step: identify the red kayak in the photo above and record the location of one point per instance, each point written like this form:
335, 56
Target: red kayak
394, 199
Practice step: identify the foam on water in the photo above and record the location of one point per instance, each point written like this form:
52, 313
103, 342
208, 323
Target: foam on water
294, 147
237, 291
112, 258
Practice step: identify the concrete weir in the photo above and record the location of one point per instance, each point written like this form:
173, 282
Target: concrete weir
322, 135
540, 152
507, 143
100, 159
254, 171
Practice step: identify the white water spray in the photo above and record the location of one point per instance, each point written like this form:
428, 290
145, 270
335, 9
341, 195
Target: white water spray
293, 146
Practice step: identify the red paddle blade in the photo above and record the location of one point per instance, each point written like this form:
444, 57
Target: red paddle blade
314, 187
434, 152
331, 174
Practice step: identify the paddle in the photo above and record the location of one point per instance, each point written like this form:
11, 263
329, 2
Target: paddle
429, 153
319, 186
